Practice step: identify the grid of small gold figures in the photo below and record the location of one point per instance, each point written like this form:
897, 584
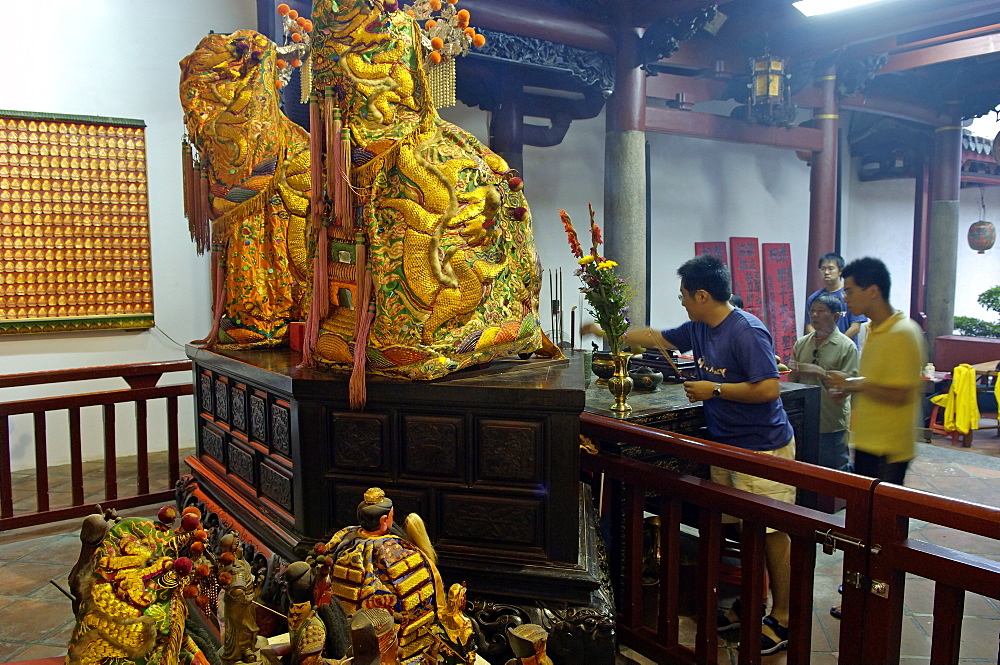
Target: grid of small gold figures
74, 238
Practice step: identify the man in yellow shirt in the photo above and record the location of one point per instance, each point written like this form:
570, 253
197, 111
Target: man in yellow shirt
885, 397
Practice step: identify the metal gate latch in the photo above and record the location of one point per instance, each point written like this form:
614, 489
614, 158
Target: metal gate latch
833, 541
859, 581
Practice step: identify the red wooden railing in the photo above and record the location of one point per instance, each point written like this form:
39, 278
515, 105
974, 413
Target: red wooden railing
872, 532
142, 380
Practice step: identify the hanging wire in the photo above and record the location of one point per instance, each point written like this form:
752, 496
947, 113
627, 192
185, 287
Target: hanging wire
982, 202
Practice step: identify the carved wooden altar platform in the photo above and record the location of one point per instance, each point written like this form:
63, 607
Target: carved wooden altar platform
489, 459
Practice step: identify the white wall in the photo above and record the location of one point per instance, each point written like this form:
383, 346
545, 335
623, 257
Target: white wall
710, 190
877, 220
116, 58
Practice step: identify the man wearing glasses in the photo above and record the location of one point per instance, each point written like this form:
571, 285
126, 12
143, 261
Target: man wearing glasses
830, 266
823, 350
885, 398
740, 395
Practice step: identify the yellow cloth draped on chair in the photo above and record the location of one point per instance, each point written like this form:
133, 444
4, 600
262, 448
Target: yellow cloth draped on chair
961, 412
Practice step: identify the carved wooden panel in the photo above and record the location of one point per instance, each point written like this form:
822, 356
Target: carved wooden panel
510, 450
222, 399
432, 446
239, 407
258, 417
205, 392
212, 444
241, 463
276, 484
281, 432
476, 520
347, 497
359, 442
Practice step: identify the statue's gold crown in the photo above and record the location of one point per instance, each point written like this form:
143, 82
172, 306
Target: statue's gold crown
374, 495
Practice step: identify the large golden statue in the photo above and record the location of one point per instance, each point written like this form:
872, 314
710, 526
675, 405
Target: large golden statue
451, 256
253, 187
406, 241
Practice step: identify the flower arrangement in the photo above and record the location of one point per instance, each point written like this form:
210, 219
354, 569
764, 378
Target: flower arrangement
607, 293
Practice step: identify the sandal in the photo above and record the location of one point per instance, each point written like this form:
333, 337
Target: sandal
767, 645
724, 622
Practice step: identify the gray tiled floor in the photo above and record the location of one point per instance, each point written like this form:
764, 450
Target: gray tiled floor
36, 618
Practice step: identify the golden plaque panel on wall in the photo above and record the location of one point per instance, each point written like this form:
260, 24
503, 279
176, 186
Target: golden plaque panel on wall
74, 224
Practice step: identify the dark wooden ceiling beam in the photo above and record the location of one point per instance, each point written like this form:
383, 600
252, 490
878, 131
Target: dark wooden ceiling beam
721, 128
932, 55
826, 34
668, 86
562, 26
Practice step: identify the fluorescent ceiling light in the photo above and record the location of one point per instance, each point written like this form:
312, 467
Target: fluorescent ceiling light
814, 7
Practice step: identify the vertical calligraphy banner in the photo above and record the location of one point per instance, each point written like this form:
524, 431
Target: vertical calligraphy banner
716, 249
779, 296
746, 275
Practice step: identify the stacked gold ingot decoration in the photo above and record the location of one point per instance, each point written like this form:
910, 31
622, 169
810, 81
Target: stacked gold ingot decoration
74, 224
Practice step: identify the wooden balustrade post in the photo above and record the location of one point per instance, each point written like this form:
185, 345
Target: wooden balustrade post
6, 481
41, 463
173, 441
110, 454
142, 446
76, 456
706, 646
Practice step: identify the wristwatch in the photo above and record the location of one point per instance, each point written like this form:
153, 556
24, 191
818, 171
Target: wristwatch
717, 391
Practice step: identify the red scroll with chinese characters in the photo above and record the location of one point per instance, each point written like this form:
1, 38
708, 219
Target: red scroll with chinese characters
746, 274
716, 249
780, 296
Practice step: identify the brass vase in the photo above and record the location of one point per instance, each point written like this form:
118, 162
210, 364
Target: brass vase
620, 384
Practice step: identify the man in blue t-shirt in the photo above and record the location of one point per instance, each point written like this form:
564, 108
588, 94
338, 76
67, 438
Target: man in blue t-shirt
740, 394
831, 265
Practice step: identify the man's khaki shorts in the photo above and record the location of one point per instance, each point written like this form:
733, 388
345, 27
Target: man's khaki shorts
755, 485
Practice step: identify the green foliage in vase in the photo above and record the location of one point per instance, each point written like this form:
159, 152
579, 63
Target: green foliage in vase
967, 325
606, 292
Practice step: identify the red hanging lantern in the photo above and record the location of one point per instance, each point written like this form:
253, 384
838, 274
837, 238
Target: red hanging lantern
982, 235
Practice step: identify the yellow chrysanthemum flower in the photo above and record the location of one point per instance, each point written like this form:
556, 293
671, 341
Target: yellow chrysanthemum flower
605, 265
585, 260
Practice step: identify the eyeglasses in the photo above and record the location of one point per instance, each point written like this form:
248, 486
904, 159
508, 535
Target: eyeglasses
680, 297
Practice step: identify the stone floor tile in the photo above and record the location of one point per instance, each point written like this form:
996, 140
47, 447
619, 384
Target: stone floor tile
914, 640
16, 548
60, 636
9, 650
21, 578
918, 483
34, 618
978, 472
959, 540
820, 639
39, 651
979, 638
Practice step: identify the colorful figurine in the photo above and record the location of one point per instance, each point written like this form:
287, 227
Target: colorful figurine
239, 609
528, 642
131, 590
375, 566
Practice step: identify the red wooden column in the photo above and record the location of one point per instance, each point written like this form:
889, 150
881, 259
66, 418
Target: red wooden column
823, 181
625, 170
